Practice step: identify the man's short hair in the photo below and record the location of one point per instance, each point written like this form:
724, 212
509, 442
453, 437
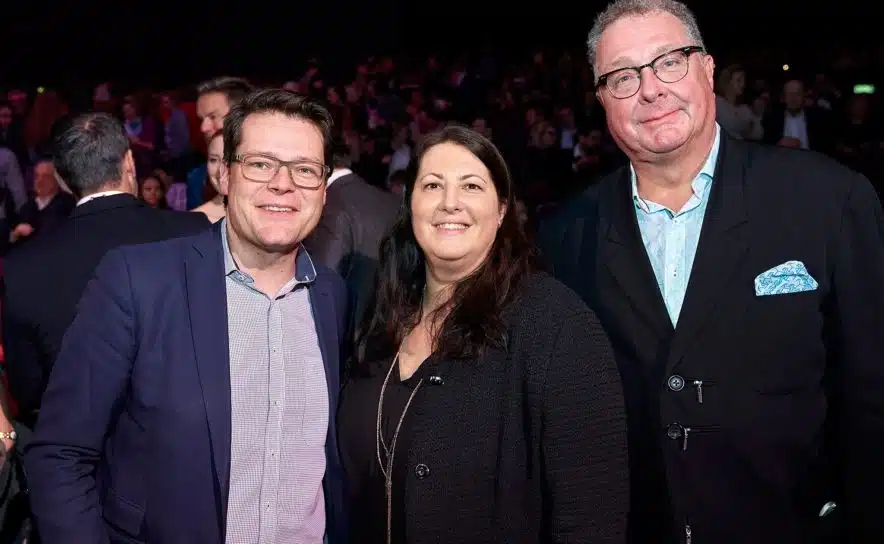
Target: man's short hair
233, 88
618, 9
88, 152
279, 101
340, 154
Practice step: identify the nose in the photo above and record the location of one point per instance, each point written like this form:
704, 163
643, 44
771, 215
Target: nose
650, 87
282, 182
450, 198
207, 127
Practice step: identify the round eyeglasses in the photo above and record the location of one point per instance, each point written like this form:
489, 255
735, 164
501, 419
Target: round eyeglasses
669, 68
263, 169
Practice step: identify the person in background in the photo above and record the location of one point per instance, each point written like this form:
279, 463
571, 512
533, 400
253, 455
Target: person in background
732, 114
153, 193
742, 286
483, 404
43, 281
49, 206
215, 208
216, 97
355, 218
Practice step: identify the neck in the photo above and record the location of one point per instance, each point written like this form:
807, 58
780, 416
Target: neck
438, 289
218, 200
669, 183
114, 186
269, 270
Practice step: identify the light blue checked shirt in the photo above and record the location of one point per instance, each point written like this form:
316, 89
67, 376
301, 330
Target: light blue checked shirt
671, 237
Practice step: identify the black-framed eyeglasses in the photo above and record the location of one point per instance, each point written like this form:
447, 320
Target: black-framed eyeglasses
263, 168
669, 67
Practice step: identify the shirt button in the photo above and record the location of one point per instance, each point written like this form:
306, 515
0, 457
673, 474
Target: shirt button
676, 383
421, 471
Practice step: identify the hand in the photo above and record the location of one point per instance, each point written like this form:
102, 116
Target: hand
22, 230
790, 142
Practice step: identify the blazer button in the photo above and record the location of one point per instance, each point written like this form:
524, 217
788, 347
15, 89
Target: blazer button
674, 431
436, 380
676, 383
421, 471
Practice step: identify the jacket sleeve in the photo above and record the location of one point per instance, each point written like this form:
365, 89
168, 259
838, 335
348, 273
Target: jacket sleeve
583, 435
857, 316
82, 402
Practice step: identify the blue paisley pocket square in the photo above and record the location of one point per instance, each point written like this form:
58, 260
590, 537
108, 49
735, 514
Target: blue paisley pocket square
783, 279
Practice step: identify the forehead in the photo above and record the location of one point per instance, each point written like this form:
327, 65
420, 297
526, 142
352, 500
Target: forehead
794, 87
452, 158
212, 102
216, 144
44, 167
636, 39
284, 137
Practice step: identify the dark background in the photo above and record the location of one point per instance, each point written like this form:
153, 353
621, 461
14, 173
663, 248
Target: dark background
69, 43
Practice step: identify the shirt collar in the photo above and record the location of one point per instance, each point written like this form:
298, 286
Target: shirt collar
305, 271
337, 174
700, 184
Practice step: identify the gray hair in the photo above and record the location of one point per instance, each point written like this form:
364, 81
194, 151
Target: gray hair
630, 8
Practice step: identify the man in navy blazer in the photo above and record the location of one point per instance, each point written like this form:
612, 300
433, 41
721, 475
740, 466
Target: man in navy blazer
194, 396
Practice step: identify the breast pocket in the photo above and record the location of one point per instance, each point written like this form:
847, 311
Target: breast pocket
783, 348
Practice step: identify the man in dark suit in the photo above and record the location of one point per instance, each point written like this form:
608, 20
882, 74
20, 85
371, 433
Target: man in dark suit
44, 279
355, 219
742, 287
194, 396
792, 124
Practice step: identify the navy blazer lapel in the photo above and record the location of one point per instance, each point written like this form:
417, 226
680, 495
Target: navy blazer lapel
207, 303
322, 304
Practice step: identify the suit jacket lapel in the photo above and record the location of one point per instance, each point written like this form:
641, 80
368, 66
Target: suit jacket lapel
326, 331
624, 253
724, 243
207, 303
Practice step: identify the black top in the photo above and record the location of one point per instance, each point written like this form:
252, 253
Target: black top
358, 429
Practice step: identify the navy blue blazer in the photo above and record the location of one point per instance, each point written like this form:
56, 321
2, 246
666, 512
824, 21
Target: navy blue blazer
133, 439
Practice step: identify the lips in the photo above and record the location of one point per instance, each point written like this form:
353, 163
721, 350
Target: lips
274, 208
659, 117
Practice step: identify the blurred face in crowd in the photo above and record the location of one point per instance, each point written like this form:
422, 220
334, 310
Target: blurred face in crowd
151, 191
274, 216
793, 95
738, 83
211, 109
45, 184
129, 111
214, 161
661, 119
455, 208
5, 117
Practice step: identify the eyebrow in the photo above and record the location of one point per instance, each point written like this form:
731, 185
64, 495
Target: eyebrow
627, 62
461, 178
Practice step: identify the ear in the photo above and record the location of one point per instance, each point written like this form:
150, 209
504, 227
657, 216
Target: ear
224, 178
709, 68
504, 205
129, 176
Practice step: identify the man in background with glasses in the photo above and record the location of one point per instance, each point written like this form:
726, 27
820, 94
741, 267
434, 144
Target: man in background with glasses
742, 287
194, 397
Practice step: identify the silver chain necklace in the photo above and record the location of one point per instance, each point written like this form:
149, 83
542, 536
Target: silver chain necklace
390, 452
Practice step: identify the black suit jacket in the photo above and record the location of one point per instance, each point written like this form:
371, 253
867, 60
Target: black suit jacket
43, 281
355, 219
754, 411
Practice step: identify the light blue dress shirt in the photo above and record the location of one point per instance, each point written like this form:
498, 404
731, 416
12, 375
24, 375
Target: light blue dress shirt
671, 237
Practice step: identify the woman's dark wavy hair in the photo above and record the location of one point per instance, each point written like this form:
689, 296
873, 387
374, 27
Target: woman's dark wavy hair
474, 320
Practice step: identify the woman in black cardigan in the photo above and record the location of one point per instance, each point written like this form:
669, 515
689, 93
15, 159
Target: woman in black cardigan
484, 404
